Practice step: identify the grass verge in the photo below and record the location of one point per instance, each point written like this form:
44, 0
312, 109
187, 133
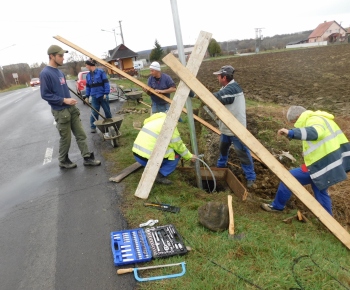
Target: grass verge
271, 255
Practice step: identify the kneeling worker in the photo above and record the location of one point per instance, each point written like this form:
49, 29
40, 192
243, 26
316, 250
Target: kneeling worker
146, 140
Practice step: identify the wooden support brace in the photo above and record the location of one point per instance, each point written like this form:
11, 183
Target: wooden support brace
124, 173
255, 146
137, 82
163, 140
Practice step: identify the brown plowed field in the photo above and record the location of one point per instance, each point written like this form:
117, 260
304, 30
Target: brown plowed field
316, 78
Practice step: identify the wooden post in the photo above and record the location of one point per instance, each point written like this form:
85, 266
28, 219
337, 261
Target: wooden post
154, 162
255, 146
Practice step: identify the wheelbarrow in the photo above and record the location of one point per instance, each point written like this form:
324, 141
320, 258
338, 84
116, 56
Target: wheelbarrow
134, 96
108, 126
127, 94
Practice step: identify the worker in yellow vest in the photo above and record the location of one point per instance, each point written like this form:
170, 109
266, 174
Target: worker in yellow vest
146, 140
326, 152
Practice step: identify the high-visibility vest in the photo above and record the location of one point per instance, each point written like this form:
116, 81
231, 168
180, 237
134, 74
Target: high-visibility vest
326, 149
147, 137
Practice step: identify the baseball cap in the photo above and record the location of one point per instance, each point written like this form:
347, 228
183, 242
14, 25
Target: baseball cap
90, 62
225, 70
55, 49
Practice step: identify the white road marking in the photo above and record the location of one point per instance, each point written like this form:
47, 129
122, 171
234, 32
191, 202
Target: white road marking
48, 155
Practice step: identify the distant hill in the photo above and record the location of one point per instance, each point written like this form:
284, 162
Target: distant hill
245, 45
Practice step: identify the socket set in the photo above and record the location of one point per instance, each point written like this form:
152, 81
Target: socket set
141, 245
165, 241
130, 246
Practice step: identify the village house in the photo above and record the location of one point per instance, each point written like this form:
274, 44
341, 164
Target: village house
123, 58
329, 31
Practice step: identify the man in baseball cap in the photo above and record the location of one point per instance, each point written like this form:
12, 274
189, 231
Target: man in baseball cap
55, 49
232, 97
225, 70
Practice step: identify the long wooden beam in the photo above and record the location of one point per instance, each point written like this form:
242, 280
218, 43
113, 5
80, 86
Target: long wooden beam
136, 81
255, 146
172, 117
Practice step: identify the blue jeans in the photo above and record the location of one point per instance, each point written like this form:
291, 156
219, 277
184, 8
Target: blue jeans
157, 108
242, 152
167, 166
283, 193
97, 103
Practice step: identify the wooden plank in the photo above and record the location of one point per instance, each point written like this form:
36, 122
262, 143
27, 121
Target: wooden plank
236, 186
125, 172
255, 146
136, 81
181, 94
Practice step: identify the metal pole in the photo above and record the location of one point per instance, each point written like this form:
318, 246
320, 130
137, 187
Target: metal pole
181, 53
121, 31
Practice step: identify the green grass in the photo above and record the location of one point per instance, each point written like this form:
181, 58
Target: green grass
13, 88
264, 257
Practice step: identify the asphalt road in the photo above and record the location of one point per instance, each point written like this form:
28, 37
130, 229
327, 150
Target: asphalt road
55, 223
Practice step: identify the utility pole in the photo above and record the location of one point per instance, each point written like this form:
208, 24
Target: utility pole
258, 39
121, 31
181, 53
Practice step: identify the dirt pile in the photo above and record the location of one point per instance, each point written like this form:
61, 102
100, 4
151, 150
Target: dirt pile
316, 78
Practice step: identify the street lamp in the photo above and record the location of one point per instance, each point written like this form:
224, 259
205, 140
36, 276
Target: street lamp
113, 31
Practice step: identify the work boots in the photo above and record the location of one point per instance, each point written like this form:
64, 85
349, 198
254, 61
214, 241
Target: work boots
67, 164
90, 161
162, 180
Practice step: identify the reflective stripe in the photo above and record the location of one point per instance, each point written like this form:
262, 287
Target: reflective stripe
142, 149
149, 152
303, 133
149, 132
330, 166
313, 147
177, 139
232, 96
184, 153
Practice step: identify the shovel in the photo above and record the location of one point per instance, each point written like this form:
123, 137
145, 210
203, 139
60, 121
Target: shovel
105, 120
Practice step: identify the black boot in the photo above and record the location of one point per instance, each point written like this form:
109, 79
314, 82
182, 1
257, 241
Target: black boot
67, 164
90, 161
162, 180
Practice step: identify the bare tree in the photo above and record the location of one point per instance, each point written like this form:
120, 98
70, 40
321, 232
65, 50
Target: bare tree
75, 61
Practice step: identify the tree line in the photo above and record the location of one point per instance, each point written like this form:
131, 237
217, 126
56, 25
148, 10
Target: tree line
76, 61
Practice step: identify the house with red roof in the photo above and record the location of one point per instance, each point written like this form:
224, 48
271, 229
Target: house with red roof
329, 31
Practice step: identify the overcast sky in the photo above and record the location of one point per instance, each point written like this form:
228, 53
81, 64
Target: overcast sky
27, 27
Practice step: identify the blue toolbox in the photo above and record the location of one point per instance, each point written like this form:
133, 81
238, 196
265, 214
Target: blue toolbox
141, 245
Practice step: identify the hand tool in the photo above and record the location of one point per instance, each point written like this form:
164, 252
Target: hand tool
155, 242
87, 103
163, 207
149, 223
129, 270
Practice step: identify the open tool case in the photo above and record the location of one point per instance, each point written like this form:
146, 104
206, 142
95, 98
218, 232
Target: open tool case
141, 245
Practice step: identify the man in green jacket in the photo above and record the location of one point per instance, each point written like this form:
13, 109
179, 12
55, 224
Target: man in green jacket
326, 152
146, 141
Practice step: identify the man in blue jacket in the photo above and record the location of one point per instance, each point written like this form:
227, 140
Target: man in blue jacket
97, 86
55, 91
